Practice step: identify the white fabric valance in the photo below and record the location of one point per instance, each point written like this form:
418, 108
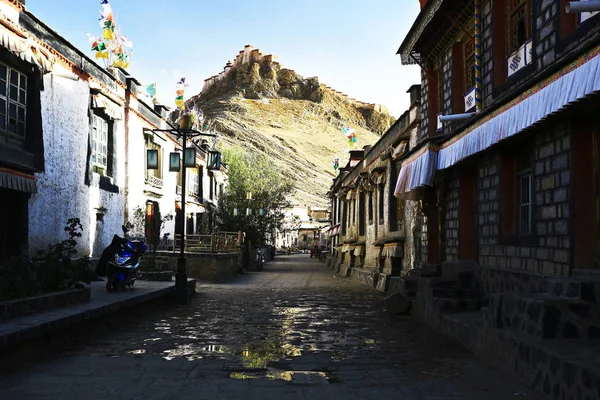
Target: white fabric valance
572, 83
26, 48
417, 171
16, 180
348, 248
392, 250
111, 109
359, 251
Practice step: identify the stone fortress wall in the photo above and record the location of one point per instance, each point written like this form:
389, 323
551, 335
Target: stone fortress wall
249, 54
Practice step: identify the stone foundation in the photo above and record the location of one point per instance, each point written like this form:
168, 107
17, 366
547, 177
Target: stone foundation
344, 270
543, 329
365, 276
37, 304
383, 282
211, 268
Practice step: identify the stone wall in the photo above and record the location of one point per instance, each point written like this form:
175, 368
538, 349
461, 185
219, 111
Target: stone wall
489, 216
413, 224
211, 268
546, 17
552, 210
487, 65
451, 214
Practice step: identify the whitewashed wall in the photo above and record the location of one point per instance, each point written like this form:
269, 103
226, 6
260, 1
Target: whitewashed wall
62, 192
138, 191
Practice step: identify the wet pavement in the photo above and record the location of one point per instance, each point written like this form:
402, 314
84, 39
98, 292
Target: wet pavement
292, 330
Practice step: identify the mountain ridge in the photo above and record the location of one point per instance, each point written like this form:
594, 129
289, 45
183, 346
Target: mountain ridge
297, 121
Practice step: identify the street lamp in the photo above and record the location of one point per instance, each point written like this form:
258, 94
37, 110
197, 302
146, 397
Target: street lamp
184, 132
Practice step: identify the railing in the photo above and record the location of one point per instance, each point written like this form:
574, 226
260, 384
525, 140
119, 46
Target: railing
154, 181
221, 242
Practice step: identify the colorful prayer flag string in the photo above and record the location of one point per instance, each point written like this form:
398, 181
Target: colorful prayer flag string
111, 46
179, 91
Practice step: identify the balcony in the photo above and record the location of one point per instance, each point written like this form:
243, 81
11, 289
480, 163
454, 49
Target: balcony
154, 181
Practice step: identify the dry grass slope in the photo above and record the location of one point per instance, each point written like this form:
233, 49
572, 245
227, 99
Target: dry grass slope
296, 121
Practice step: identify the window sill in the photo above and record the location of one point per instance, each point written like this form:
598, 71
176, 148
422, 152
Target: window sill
520, 240
107, 183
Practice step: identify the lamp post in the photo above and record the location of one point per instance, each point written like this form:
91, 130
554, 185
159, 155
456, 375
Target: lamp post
184, 132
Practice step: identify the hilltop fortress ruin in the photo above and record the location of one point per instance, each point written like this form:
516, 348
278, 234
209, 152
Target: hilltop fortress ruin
250, 55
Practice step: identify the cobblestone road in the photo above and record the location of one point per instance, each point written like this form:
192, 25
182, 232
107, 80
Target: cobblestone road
293, 331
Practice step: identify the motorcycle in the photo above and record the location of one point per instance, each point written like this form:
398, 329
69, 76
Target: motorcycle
120, 262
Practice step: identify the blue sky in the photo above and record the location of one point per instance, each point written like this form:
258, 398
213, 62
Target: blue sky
349, 44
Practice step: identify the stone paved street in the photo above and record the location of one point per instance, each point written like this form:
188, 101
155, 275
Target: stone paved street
292, 331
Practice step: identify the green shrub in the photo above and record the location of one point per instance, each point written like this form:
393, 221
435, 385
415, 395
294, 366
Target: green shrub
49, 271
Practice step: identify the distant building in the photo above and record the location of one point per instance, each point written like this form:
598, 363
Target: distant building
303, 225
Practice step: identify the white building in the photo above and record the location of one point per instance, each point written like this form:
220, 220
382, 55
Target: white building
73, 142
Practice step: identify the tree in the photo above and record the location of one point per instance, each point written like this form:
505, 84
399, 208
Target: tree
254, 173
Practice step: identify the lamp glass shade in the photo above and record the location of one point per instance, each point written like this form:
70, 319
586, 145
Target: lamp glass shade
261, 212
248, 211
190, 157
248, 195
235, 212
152, 159
214, 160
174, 162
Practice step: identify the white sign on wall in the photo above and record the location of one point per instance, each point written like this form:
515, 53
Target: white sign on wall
439, 122
470, 100
529, 52
516, 61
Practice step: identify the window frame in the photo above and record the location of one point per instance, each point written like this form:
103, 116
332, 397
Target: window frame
361, 213
381, 208
513, 169
524, 170
20, 102
100, 168
157, 173
467, 59
513, 10
371, 207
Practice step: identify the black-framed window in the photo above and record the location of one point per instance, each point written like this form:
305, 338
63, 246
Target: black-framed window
370, 208
361, 213
156, 173
13, 105
525, 190
102, 154
353, 211
212, 186
381, 202
469, 52
519, 24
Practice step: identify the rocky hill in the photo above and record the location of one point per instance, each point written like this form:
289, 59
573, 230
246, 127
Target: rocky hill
297, 121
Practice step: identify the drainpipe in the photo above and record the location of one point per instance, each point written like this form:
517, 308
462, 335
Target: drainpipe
477, 41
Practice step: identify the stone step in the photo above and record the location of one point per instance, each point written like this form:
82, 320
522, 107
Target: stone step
558, 368
455, 293
544, 316
449, 305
